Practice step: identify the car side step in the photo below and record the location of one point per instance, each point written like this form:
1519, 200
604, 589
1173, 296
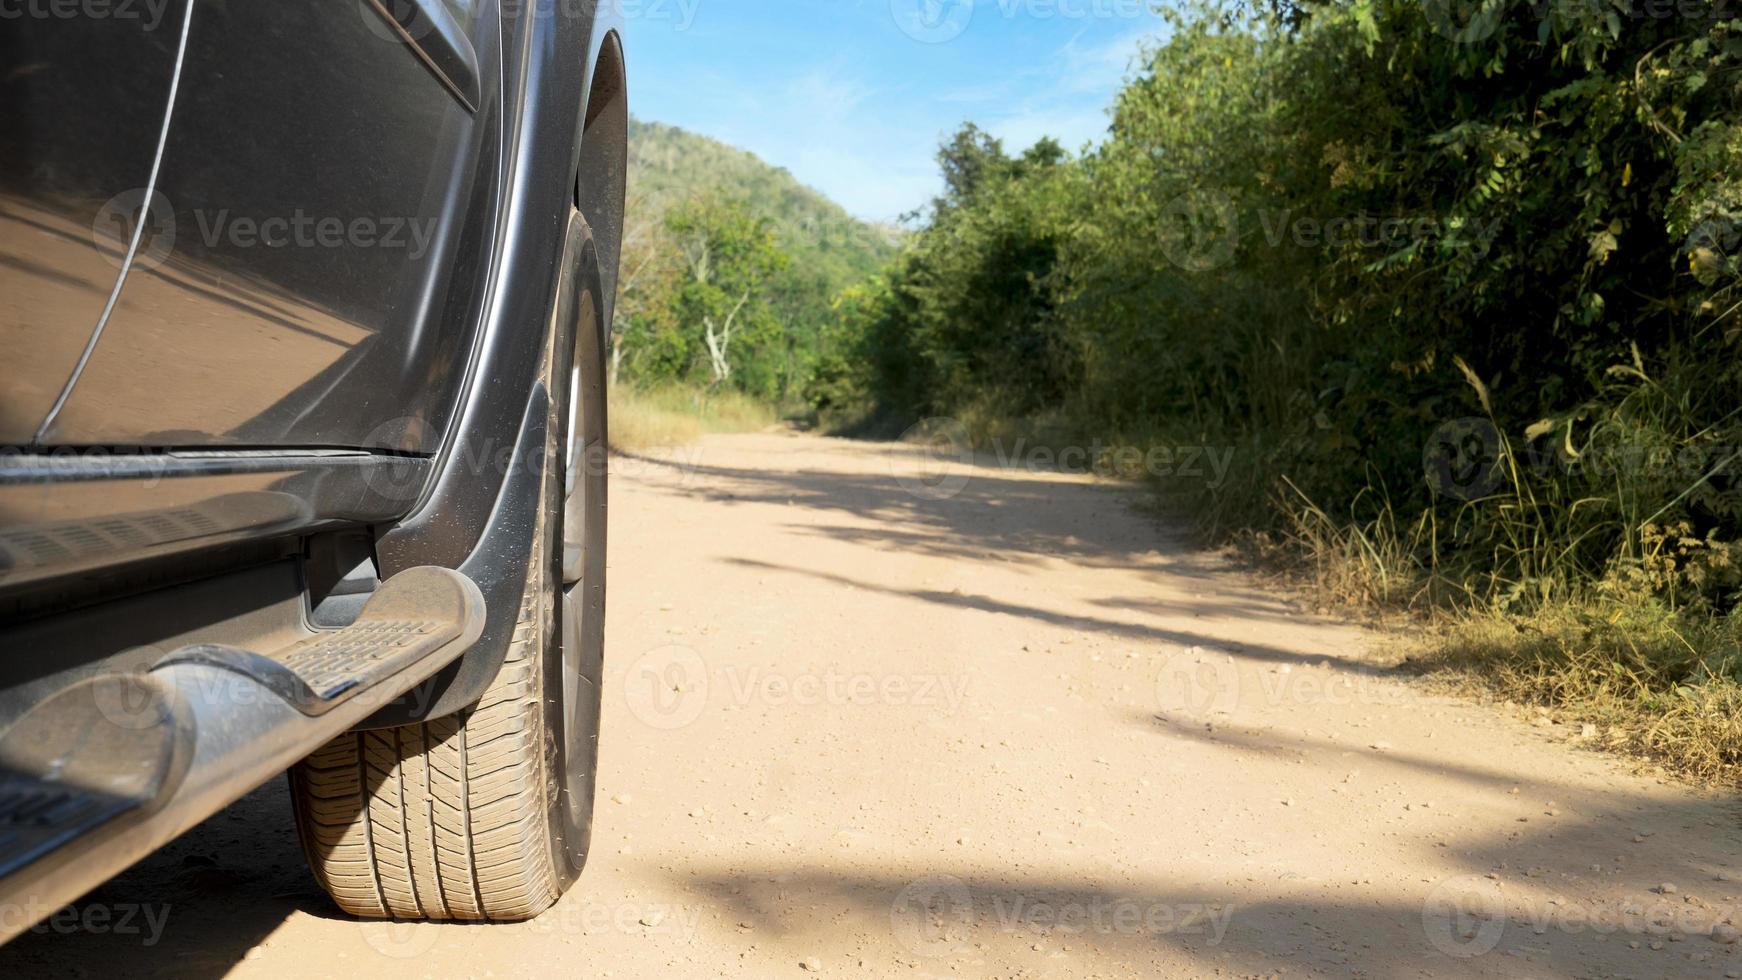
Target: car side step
115, 766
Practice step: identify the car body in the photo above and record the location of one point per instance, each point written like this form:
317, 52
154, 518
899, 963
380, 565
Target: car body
298, 300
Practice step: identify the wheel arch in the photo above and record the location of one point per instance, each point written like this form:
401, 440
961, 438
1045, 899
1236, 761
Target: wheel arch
477, 511
602, 171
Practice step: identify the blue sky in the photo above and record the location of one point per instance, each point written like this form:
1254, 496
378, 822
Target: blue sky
853, 96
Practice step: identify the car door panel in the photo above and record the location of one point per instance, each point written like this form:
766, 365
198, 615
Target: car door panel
82, 102
321, 173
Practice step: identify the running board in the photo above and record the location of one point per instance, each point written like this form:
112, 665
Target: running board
112, 768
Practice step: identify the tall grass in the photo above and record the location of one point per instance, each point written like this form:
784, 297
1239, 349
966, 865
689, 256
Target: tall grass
644, 419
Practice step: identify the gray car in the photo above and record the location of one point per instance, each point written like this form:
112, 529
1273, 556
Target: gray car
303, 450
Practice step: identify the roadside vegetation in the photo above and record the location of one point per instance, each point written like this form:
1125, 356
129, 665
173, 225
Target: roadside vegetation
730, 270
1456, 282
649, 419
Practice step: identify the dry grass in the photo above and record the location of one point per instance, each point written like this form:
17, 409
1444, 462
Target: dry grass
1612, 658
667, 418
1638, 679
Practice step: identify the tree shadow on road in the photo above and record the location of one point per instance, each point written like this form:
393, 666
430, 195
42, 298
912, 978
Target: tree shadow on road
1167, 641
979, 922
1025, 518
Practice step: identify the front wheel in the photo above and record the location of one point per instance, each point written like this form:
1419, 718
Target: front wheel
487, 815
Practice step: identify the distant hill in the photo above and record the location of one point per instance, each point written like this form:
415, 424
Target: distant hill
668, 165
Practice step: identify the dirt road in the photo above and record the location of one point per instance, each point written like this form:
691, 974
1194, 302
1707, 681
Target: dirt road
1014, 731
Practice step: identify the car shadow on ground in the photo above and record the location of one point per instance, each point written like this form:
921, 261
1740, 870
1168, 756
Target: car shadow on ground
194, 908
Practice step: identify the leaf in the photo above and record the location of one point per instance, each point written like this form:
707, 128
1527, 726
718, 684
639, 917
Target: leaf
1537, 430
1475, 382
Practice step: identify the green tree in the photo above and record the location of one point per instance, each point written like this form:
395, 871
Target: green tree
730, 259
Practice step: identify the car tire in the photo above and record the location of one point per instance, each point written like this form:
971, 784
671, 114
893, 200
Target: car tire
486, 815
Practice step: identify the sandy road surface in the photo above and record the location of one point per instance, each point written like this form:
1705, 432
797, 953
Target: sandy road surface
1019, 732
